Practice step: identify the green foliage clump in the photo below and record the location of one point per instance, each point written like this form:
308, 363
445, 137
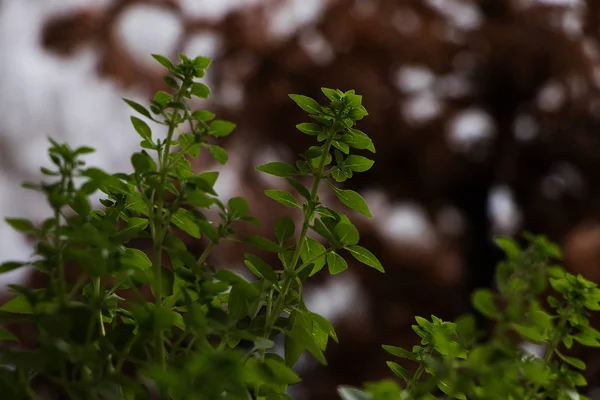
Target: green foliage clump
453, 362
208, 333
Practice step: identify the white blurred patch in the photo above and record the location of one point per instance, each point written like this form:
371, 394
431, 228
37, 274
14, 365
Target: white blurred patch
525, 128
406, 21
421, 108
470, 128
536, 350
503, 211
452, 86
317, 47
461, 14
551, 97
293, 14
413, 78
212, 9
147, 29
203, 44
409, 223
340, 295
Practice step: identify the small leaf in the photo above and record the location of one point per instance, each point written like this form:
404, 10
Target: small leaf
218, 153
260, 268
309, 128
17, 305
278, 169
399, 370
142, 128
284, 228
358, 163
202, 115
400, 352
200, 90
220, 128
331, 94
238, 206
263, 243
164, 61
483, 301
138, 107
283, 197
309, 105
353, 200
365, 256
299, 187
183, 220
575, 362
5, 334
20, 224
11, 266
336, 263
347, 233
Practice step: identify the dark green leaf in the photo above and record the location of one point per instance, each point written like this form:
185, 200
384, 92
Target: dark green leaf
11, 266
236, 303
238, 206
263, 243
309, 128
142, 128
259, 267
202, 115
284, 228
185, 221
5, 334
399, 370
299, 187
277, 169
164, 61
20, 224
138, 107
400, 352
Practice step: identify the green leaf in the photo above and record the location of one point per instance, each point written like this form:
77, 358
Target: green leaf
359, 140
284, 228
346, 233
164, 61
162, 98
11, 266
336, 263
400, 352
283, 197
263, 244
353, 200
202, 115
331, 94
138, 107
218, 153
299, 187
278, 169
20, 224
365, 256
17, 305
236, 303
5, 334
399, 370
184, 221
136, 258
281, 373
350, 393
238, 206
142, 128
309, 105
310, 249
259, 267
575, 362
358, 163
309, 128
200, 90
220, 128
483, 301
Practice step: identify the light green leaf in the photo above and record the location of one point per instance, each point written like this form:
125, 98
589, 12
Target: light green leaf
142, 128
347, 233
218, 153
220, 128
353, 200
283, 197
185, 222
306, 103
200, 90
336, 263
309, 128
365, 256
358, 163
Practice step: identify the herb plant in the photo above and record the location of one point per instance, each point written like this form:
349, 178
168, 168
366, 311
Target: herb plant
453, 362
206, 333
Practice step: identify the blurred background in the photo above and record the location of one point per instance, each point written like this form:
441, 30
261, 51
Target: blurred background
485, 115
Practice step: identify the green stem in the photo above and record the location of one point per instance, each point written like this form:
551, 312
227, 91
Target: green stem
97, 293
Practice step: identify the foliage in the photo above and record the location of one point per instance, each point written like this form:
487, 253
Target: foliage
453, 361
208, 333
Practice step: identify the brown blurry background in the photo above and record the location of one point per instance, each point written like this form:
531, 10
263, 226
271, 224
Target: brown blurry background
485, 115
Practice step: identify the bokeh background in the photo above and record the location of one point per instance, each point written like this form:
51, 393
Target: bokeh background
485, 115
